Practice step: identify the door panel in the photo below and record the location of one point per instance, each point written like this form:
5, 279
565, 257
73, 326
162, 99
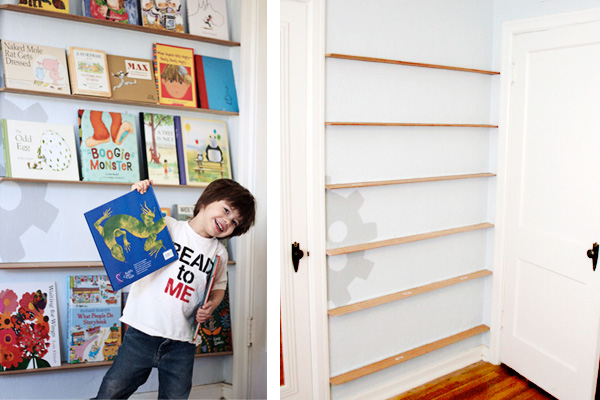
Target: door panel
552, 304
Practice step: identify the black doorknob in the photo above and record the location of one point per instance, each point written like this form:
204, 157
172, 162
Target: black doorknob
593, 254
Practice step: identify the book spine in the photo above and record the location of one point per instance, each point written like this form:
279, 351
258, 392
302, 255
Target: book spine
201, 80
180, 151
7, 169
144, 174
69, 339
156, 71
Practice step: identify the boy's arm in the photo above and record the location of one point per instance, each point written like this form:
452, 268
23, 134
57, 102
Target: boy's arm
214, 299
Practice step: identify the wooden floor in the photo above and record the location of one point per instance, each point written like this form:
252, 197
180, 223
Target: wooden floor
478, 381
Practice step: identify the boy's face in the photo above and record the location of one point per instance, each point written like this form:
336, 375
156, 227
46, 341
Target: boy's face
218, 219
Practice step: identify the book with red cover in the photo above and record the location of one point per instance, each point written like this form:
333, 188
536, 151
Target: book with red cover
210, 279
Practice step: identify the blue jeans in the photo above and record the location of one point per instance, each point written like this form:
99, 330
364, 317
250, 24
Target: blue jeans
138, 354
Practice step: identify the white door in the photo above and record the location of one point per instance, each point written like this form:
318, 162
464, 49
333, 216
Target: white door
295, 316
552, 296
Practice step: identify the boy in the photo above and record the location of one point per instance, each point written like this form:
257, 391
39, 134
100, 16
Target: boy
161, 307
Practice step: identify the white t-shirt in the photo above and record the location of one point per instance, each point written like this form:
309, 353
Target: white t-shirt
164, 303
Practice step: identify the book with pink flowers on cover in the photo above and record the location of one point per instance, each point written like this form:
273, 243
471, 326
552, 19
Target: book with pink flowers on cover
29, 334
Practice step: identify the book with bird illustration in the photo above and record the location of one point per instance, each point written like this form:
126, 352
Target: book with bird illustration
131, 236
93, 326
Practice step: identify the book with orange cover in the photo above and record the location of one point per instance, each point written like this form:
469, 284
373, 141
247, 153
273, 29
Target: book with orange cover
174, 75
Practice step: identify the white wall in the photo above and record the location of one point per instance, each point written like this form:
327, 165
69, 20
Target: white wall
44, 221
458, 33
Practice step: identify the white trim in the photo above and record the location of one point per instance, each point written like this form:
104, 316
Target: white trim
214, 391
317, 262
510, 30
250, 115
421, 377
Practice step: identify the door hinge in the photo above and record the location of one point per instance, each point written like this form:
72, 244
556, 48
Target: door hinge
250, 328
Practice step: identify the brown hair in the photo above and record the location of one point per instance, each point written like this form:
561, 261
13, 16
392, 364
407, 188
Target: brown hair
237, 196
171, 73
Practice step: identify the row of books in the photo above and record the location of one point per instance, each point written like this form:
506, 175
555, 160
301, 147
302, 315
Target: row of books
175, 75
206, 18
30, 332
175, 149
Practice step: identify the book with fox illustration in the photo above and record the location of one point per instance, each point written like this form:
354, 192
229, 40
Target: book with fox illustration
131, 236
93, 326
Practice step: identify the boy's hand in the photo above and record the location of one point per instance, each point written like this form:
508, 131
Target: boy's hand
141, 186
205, 311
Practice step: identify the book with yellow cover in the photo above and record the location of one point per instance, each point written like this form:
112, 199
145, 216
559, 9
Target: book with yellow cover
61, 6
174, 74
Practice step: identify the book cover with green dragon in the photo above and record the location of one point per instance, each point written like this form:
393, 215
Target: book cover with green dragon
131, 236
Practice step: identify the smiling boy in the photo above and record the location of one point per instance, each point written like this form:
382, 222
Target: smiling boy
162, 308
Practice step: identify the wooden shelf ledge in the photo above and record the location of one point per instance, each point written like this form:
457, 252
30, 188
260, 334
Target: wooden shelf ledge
93, 183
408, 64
410, 180
63, 264
111, 24
66, 366
409, 124
406, 293
406, 239
408, 355
97, 99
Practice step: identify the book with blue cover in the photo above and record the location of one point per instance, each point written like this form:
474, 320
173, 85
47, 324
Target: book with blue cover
93, 326
216, 84
131, 236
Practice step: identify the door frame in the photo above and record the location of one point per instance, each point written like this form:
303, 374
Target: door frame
510, 32
316, 263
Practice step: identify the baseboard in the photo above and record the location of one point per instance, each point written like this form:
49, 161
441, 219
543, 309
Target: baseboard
419, 378
214, 391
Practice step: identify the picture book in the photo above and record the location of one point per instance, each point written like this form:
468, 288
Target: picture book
216, 85
131, 79
124, 11
37, 150
210, 279
206, 150
108, 146
174, 74
34, 67
165, 15
131, 236
93, 326
208, 18
61, 6
88, 70
183, 212
29, 337
216, 331
160, 151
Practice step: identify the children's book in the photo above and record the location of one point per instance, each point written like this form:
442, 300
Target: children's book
184, 212
131, 79
93, 326
29, 336
174, 74
88, 70
34, 67
180, 152
131, 236
216, 85
108, 146
160, 14
61, 6
210, 280
36, 150
124, 11
216, 331
208, 18
160, 150
206, 150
